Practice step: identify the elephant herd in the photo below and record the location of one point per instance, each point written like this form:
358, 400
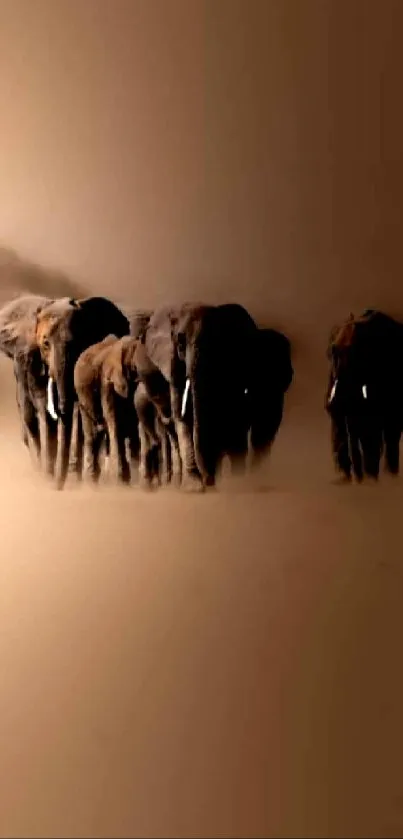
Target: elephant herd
165, 393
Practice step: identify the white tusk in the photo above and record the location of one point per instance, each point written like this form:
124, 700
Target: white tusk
51, 404
246, 391
185, 397
332, 392
364, 392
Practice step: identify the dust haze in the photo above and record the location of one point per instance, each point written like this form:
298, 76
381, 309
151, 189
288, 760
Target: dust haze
223, 665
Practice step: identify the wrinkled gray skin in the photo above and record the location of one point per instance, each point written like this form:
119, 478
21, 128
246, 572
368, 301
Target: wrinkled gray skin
17, 342
72, 328
211, 347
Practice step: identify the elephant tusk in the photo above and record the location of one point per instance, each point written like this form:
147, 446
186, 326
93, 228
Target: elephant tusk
185, 397
51, 404
332, 392
364, 392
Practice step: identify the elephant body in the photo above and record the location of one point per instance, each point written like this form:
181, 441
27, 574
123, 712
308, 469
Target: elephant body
112, 399
366, 390
64, 330
17, 342
203, 354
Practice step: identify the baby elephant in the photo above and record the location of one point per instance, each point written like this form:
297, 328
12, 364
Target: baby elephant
106, 382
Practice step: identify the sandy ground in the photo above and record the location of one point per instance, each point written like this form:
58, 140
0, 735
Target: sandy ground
225, 665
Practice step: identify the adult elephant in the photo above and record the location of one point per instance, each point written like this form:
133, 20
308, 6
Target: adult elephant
366, 361
17, 342
270, 376
204, 353
64, 329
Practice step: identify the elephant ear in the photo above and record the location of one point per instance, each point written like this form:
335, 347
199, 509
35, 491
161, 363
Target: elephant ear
115, 372
122, 365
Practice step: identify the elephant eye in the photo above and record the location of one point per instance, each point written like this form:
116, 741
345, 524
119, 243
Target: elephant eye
46, 344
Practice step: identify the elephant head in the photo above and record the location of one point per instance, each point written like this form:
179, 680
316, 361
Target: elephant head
64, 329
214, 346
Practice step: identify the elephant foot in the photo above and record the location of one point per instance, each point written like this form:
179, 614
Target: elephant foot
146, 483
192, 483
392, 470
175, 480
342, 480
124, 479
91, 477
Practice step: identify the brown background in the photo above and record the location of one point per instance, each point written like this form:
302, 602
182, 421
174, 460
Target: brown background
227, 665
215, 149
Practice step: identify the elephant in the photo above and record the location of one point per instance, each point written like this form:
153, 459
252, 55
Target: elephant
204, 353
64, 329
365, 390
17, 342
112, 399
133, 373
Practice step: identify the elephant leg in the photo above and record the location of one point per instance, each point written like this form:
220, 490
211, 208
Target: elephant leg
63, 448
134, 444
371, 443
74, 465
145, 466
392, 435
237, 449
174, 461
91, 446
191, 478
266, 421
79, 447
31, 431
48, 441
355, 450
24, 429
340, 448
165, 457
118, 468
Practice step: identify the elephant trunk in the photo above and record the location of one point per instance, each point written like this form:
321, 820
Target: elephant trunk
63, 370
